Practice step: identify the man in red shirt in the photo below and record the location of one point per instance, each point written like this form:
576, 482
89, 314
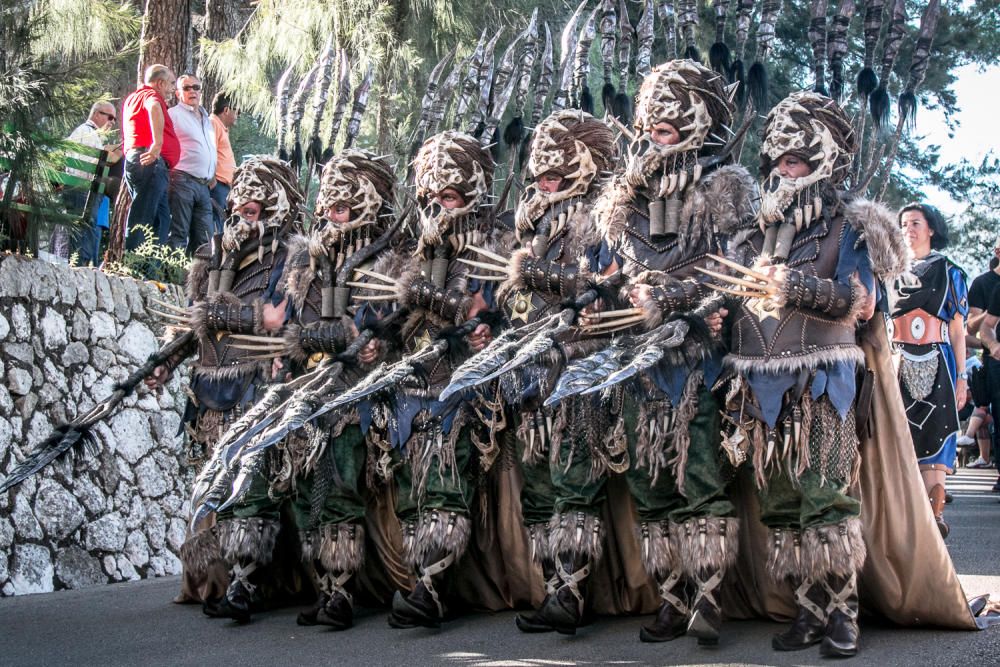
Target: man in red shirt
151, 148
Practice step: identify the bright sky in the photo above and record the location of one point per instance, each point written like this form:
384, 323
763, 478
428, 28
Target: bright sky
977, 131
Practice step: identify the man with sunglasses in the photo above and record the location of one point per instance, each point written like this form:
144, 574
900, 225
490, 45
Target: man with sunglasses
194, 174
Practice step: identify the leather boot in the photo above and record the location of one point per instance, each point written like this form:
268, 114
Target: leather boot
530, 621
673, 616
706, 611
810, 621
422, 607
308, 617
338, 608
937, 498
241, 596
563, 610
842, 631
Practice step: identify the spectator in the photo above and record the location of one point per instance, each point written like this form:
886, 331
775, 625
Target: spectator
93, 133
194, 174
223, 117
151, 148
988, 334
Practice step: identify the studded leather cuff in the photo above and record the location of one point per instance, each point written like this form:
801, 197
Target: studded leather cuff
676, 297
542, 275
446, 303
329, 337
232, 318
832, 298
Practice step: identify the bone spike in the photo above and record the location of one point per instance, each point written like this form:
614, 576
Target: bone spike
169, 306
247, 338
480, 265
616, 313
671, 184
375, 287
817, 205
697, 172
487, 253
381, 297
739, 267
798, 219
614, 325
498, 279
170, 316
731, 279
687, 128
264, 357
258, 348
376, 276
747, 294
682, 181
808, 215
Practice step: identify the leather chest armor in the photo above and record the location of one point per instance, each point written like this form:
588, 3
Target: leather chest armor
640, 252
797, 337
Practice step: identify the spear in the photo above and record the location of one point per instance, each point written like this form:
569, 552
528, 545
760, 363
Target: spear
688, 20
623, 102
867, 79
314, 152
567, 45
343, 97
485, 84
757, 76
513, 134
837, 48
738, 74
295, 112
644, 39
470, 83
879, 100
501, 92
817, 39
358, 110
581, 66
545, 76
444, 97
608, 29
718, 53
282, 96
667, 12
427, 104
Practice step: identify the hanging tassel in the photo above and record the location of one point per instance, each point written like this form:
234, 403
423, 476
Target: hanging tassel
718, 58
513, 133
757, 85
622, 108
738, 74
296, 160
608, 96
867, 81
879, 105
586, 100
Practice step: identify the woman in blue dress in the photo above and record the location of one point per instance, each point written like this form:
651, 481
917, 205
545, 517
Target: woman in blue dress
928, 312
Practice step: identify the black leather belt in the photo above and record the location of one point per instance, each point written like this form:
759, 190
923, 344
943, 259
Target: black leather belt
200, 181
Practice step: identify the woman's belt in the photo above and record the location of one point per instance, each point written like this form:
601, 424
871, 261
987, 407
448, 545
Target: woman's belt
918, 327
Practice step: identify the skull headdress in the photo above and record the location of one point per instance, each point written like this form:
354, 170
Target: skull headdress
361, 181
573, 145
815, 129
270, 183
450, 160
694, 100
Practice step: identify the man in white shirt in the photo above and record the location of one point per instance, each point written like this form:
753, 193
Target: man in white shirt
94, 133
194, 174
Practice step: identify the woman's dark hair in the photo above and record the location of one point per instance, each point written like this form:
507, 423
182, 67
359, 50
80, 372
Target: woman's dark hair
934, 220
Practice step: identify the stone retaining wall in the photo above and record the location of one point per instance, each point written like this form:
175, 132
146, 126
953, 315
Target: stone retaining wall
66, 335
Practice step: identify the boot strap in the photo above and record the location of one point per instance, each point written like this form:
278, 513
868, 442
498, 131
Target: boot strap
429, 572
707, 588
331, 585
572, 580
242, 574
802, 598
551, 584
840, 599
666, 593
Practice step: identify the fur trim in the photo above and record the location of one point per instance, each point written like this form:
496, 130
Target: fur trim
437, 531
793, 364
612, 209
299, 274
538, 539
888, 251
242, 370
730, 194
684, 414
836, 549
659, 542
515, 272
197, 279
199, 552
250, 538
784, 556
339, 547
708, 543
576, 533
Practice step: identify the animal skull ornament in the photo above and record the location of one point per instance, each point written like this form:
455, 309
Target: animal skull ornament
439, 167
268, 182
344, 182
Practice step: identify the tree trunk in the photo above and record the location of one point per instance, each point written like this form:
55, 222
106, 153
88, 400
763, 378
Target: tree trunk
166, 36
223, 20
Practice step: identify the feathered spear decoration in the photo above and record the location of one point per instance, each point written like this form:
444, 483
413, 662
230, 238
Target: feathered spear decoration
296, 110
314, 152
545, 75
608, 28
719, 54
817, 40
567, 59
622, 107
513, 134
644, 41
668, 24
581, 67
343, 97
837, 46
890, 49
738, 73
358, 110
688, 19
757, 76
282, 95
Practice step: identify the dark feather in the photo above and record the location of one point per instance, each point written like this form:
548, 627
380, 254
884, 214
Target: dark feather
66, 438
479, 129
757, 85
608, 96
718, 58
513, 133
738, 73
296, 160
283, 155
327, 154
879, 105
586, 100
522, 154
867, 81
692, 54
622, 108
495, 145
315, 151
908, 108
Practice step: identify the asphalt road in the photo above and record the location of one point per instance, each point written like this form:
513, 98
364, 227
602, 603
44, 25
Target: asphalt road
135, 624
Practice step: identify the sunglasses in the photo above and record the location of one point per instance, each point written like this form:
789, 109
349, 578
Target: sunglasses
191, 87
110, 116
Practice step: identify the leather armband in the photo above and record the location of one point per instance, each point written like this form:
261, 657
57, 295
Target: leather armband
679, 296
446, 303
232, 318
177, 358
328, 337
542, 275
829, 297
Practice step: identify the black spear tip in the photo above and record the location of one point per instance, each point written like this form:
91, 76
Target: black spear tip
622, 108
692, 54
718, 58
608, 96
513, 133
757, 85
908, 108
586, 100
879, 105
738, 74
867, 81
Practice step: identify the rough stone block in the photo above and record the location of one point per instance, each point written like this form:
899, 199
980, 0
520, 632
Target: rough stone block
137, 549
105, 297
19, 381
150, 479
75, 353
31, 570
106, 534
25, 523
88, 494
78, 569
176, 534
156, 525
130, 433
102, 327
21, 320
53, 328
57, 510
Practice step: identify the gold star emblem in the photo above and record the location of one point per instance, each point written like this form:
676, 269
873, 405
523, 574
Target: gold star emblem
423, 341
764, 308
521, 306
